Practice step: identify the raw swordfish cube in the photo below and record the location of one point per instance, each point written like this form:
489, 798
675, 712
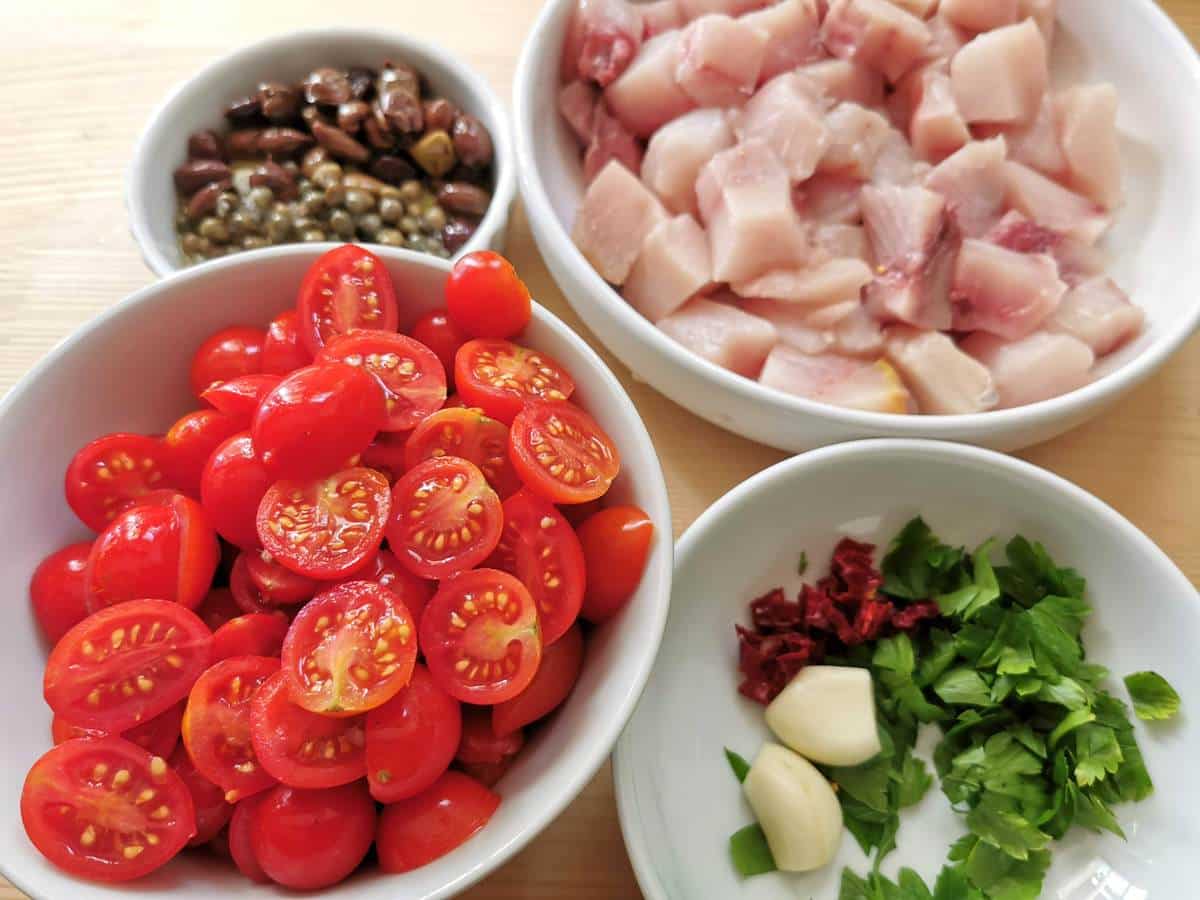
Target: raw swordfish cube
877, 34
1036, 367
577, 104
646, 95
819, 284
979, 15
975, 185
1087, 117
786, 115
857, 136
1001, 76
944, 380
792, 28
1053, 206
846, 81
603, 38
723, 334
673, 266
679, 150
835, 379
1099, 314
719, 60
1002, 292
617, 215
660, 16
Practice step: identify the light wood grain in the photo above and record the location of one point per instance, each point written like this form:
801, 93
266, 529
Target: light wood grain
80, 79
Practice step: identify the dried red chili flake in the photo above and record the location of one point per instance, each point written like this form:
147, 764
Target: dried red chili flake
774, 610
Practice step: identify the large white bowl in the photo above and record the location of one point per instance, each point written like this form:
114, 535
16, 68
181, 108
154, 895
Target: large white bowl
1132, 44
199, 103
678, 799
128, 370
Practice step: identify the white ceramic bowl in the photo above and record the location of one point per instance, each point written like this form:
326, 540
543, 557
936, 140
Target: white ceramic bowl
1132, 44
128, 370
678, 800
200, 101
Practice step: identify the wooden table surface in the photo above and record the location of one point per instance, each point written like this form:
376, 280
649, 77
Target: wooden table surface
80, 80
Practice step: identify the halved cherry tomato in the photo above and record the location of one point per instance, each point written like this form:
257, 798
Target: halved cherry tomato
208, 800
126, 664
232, 488
191, 441
311, 839
278, 584
346, 288
282, 351
105, 809
238, 398
437, 332
500, 377
316, 419
539, 546
480, 637
241, 829
246, 595
556, 676
386, 454
481, 744
327, 528
411, 739
230, 353
445, 518
254, 634
488, 774
216, 725
165, 550
485, 298
158, 736
455, 401
352, 648
301, 748
561, 453
218, 608
58, 590
386, 571
470, 435
412, 378
415, 832
616, 545
111, 473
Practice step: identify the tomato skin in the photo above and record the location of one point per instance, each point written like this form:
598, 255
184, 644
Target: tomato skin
470, 435
279, 585
118, 637
229, 353
616, 544
111, 473
415, 832
58, 590
487, 774
191, 441
218, 608
316, 419
241, 829
386, 571
481, 744
282, 351
62, 790
238, 398
556, 676
208, 800
246, 595
385, 454
231, 489
485, 298
348, 287
500, 377
546, 436
439, 334
411, 739
158, 736
254, 634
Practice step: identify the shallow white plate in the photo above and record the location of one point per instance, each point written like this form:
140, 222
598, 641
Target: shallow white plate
678, 800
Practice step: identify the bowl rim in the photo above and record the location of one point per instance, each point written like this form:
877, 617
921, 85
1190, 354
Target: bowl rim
585, 760
879, 450
141, 165
554, 241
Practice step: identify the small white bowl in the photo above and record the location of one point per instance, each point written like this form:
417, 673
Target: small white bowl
678, 800
199, 103
1132, 44
127, 370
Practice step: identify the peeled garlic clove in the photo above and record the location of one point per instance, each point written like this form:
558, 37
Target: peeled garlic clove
796, 807
827, 714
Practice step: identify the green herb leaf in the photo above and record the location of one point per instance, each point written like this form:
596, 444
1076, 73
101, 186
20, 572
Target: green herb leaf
750, 853
867, 783
1001, 877
1065, 692
998, 824
1153, 698
963, 687
802, 566
739, 765
952, 884
913, 781
1092, 812
919, 566
982, 591
1097, 753
895, 654
1069, 723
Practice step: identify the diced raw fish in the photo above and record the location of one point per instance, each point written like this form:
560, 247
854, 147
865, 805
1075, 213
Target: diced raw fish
856, 137
792, 29
673, 266
1003, 292
896, 164
904, 224
1001, 76
843, 242
1087, 116
610, 140
944, 380
646, 95
660, 16
837, 380
829, 198
945, 39
577, 104
922, 9
1036, 367
1053, 206
902, 102
875, 33
1077, 262
975, 185
604, 37
679, 150
1098, 313
786, 115
745, 203
1037, 144
920, 298
829, 317
859, 334
829, 281
937, 128
723, 334
1043, 13
720, 59
794, 323
617, 214
694, 9
847, 81
979, 15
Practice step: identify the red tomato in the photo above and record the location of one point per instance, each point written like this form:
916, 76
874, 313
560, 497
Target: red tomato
254, 634
126, 664
499, 377
485, 298
230, 353
352, 648
561, 453
386, 571
246, 595
412, 378
208, 800
158, 736
218, 608
616, 545
480, 637
556, 676
311, 839
216, 725
167, 551
415, 832
480, 744
111, 473
437, 332
411, 739
488, 774
316, 419
191, 441
386, 454
83, 808
231, 490
282, 351
58, 590
238, 398
445, 518
241, 828
327, 528
347, 288
301, 748
470, 435
455, 401
539, 546
278, 585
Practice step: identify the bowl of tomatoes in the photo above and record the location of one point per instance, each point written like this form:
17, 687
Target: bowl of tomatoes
338, 571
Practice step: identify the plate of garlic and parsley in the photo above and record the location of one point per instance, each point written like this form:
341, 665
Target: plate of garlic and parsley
909, 670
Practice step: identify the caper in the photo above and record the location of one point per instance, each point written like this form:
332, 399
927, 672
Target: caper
391, 209
433, 219
389, 190
370, 224
260, 196
410, 225
312, 235
242, 223
342, 223
314, 200
253, 242
359, 202
279, 225
193, 244
213, 229
390, 236
410, 190
226, 204
305, 223
327, 174
335, 195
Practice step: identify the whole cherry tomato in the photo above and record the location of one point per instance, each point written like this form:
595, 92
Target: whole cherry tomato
616, 545
231, 489
556, 676
485, 298
416, 831
282, 351
58, 590
227, 354
191, 441
438, 333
